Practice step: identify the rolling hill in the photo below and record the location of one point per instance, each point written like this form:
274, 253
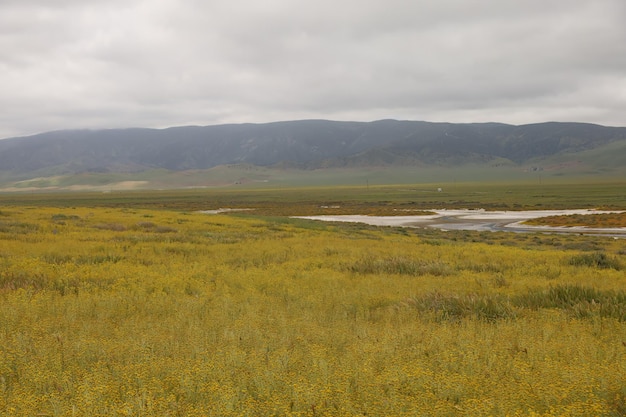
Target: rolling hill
112, 155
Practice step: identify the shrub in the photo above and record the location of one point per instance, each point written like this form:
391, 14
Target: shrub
164, 229
98, 259
146, 225
115, 227
399, 265
22, 279
596, 260
62, 216
18, 227
577, 300
451, 307
560, 296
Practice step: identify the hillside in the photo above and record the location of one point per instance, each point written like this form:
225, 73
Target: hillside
313, 145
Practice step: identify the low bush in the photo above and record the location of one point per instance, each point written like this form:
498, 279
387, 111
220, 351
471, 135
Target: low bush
579, 301
115, 227
453, 307
401, 266
596, 260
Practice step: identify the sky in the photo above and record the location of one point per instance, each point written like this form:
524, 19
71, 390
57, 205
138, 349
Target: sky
73, 64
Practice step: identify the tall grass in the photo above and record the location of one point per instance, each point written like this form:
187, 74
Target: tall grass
399, 265
596, 259
574, 300
579, 301
454, 307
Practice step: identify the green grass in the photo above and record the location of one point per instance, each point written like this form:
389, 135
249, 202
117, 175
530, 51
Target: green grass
597, 260
399, 265
559, 194
601, 164
577, 301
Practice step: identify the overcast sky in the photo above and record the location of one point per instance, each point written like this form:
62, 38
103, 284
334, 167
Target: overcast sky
68, 64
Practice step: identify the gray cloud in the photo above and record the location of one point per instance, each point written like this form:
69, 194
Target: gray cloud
98, 64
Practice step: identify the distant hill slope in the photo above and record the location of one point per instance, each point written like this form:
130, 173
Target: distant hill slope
303, 144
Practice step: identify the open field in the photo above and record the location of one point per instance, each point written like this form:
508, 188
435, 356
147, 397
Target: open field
124, 304
379, 200
602, 164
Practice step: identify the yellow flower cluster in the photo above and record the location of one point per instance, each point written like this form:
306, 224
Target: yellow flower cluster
119, 312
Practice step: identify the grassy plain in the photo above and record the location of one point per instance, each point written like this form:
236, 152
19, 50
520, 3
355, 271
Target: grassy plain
363, 199
256, 177
125, 304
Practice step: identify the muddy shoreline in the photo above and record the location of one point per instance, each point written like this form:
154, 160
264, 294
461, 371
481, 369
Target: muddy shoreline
480, 220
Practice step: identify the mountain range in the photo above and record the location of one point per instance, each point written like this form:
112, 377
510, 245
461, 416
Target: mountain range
314, 145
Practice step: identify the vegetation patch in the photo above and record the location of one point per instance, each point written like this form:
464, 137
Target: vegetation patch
17, 227
399, 265
577, 300
97, 259
115, 227
10, 280
603, 220
62, 217
596, 260
155, 228
455, 307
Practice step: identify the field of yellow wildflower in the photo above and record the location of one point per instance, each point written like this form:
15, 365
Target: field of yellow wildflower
145, 312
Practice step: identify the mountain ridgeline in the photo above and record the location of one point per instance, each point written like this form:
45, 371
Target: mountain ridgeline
308, 144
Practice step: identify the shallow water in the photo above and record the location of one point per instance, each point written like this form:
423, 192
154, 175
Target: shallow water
479, 220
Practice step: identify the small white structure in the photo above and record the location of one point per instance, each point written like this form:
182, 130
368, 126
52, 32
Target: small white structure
439, 189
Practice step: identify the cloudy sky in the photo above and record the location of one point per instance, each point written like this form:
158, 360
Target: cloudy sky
158, 63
